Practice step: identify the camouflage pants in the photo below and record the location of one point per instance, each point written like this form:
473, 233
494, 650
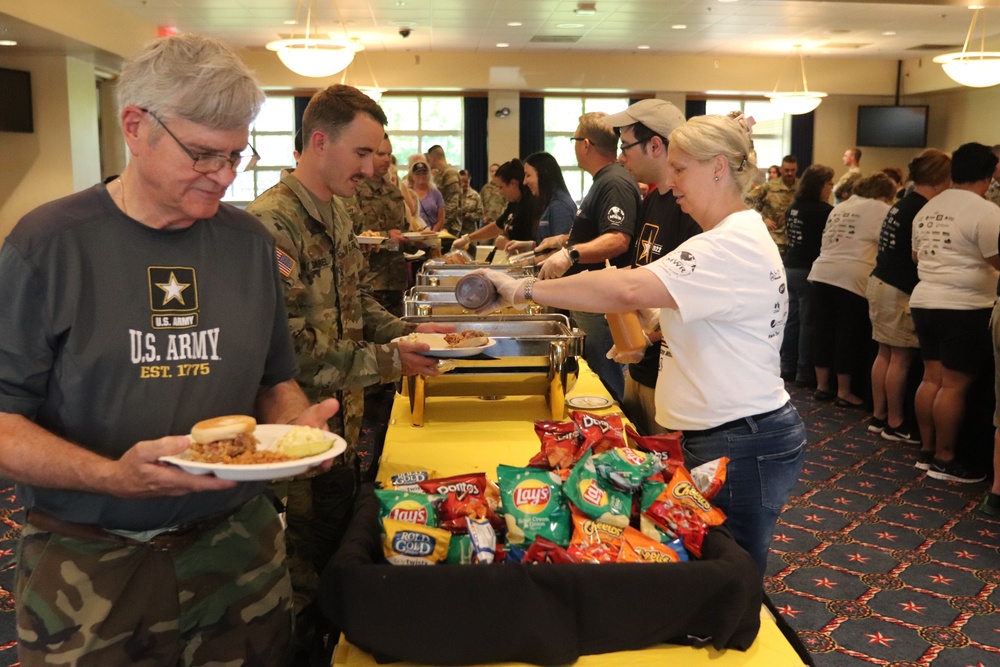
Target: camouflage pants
222, 599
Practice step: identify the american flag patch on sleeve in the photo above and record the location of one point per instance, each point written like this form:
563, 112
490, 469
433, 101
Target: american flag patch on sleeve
285, 262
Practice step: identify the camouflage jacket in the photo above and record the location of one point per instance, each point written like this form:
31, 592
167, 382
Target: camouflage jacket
379, 206
772, 200
341, 333
494, 202
451, 189
472, 210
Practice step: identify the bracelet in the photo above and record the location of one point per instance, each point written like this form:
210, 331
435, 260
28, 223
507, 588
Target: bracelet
529, 286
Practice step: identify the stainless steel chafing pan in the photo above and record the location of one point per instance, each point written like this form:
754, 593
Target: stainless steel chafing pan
533, 355
433, 273
440, 300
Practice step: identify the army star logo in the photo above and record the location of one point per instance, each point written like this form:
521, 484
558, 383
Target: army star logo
173, 290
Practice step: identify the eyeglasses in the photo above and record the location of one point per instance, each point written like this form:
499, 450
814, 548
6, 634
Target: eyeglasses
578, 138
209, 163
625, 147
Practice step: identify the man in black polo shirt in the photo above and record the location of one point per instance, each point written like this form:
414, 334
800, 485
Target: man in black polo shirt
644, 129
602, 232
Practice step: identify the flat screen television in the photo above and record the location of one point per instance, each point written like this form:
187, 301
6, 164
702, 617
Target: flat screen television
15, 111
892, 126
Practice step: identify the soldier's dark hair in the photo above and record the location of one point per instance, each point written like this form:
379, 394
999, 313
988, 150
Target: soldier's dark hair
791, 159
814, 179
972, 162
331, 110
436, 150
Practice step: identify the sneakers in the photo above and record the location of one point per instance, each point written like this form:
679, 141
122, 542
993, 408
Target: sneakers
990, 505
924, 460
876, 425
953, 471
900, 434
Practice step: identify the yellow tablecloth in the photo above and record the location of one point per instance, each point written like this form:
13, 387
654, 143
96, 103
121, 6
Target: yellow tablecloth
474, 435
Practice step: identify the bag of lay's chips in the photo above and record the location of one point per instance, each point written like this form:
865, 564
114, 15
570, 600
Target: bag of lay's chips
413, 507
412, 544
594, 541
626, 468
596, 497
533, 505
638, 548
459, 550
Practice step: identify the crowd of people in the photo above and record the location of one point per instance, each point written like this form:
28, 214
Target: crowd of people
277, 312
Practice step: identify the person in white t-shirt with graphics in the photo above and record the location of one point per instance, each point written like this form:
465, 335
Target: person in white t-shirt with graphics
723, 301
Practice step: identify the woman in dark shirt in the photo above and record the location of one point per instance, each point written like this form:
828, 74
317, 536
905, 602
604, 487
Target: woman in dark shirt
519, 219
889, 288
804, 223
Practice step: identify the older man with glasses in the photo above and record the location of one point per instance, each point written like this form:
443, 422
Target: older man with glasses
133, 311
602, 233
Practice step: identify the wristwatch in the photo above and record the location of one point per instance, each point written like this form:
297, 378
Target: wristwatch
574, 254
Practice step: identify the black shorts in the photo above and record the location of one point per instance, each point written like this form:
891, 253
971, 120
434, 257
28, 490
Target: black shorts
959, 339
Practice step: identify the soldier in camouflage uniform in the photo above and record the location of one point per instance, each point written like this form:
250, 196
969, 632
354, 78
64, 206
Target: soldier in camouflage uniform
378, 206
446, 179
494, 203
773, 198
472, 205
341, 333
123, 560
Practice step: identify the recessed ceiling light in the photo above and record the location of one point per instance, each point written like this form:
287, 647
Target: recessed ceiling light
515, 24
502, 45
643, 46
290, 22
679, 26
404, 24
569, 25
728, 0
888, 33
8, 42
400, 3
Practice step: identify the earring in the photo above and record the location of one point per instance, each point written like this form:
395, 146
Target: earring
716, 178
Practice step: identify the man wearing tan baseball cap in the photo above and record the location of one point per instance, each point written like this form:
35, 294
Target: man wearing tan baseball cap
644, 129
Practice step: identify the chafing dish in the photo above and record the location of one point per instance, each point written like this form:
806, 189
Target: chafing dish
533, 355
440, 300
438, 273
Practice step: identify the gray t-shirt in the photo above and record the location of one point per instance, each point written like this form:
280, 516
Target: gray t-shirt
113, 333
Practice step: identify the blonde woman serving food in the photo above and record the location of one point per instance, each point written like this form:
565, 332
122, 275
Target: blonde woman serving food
723, 301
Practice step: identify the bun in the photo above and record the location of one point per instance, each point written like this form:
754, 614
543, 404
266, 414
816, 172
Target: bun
222, 428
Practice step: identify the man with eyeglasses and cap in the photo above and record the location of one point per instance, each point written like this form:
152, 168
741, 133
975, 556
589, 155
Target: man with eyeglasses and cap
134, 311
644, 129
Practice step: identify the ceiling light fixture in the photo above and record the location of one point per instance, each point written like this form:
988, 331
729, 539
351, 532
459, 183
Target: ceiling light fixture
8, 42
678, 26
796, 102
515, 24
643, 46
502, 45
976, 69
312, 56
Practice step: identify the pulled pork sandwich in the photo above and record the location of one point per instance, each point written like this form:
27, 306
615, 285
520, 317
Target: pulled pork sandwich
467, 338
223, 439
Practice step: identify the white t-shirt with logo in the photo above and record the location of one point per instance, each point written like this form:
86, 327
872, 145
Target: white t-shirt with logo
952, 234
719, 359
850, 244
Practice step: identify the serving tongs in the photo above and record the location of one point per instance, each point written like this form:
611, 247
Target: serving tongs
522, 258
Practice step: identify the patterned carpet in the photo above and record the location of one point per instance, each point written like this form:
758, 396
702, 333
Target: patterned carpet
872, 564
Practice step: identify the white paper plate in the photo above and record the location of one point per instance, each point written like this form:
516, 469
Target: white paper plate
440, 349
371, 240
267, 435
410, 256
420, 236
589, 402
